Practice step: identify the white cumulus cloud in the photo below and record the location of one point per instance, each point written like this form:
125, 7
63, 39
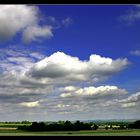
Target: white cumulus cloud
62, 67
100, 91
14, 18
22, 18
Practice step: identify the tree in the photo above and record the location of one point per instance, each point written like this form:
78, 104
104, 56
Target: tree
137, 124
41, 126
94, 127
68, 125
25, 122
34, 126
60, 122
86, 126
106, 128
131, 125
23, 127
122, 126
78, 125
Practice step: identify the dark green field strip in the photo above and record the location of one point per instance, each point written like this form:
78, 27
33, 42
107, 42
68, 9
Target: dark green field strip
72, 133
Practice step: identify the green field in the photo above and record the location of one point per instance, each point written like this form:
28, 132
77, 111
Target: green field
13, 132
11, 125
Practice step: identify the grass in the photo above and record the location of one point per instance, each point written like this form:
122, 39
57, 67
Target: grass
13, 132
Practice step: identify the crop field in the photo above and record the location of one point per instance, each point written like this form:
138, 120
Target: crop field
14, 132
3, 125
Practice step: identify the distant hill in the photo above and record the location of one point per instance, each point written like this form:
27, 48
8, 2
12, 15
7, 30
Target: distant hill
112, 120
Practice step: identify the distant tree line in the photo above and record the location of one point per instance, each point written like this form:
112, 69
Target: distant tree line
76, 126
22, 122
135, 125
59, 126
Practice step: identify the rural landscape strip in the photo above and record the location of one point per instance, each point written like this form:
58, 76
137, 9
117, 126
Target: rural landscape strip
68, 128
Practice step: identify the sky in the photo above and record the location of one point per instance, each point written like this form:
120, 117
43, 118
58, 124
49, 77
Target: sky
69, 62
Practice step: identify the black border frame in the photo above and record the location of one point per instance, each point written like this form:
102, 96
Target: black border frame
70, 2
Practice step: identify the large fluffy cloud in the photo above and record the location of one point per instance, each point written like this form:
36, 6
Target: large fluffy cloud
18, 18
62, 67
13, 18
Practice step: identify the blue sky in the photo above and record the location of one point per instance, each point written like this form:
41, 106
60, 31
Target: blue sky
66, 59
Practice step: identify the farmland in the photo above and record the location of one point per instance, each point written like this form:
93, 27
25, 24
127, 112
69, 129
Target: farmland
13, 132
3, 125
11, 129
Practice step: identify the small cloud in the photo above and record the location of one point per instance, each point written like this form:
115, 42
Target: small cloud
127, 105
66, 95
67, 22
37, 55
62, 106
131, 16
131, 101
68, 89
136, 53
30, 104
34, 32
52, 21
